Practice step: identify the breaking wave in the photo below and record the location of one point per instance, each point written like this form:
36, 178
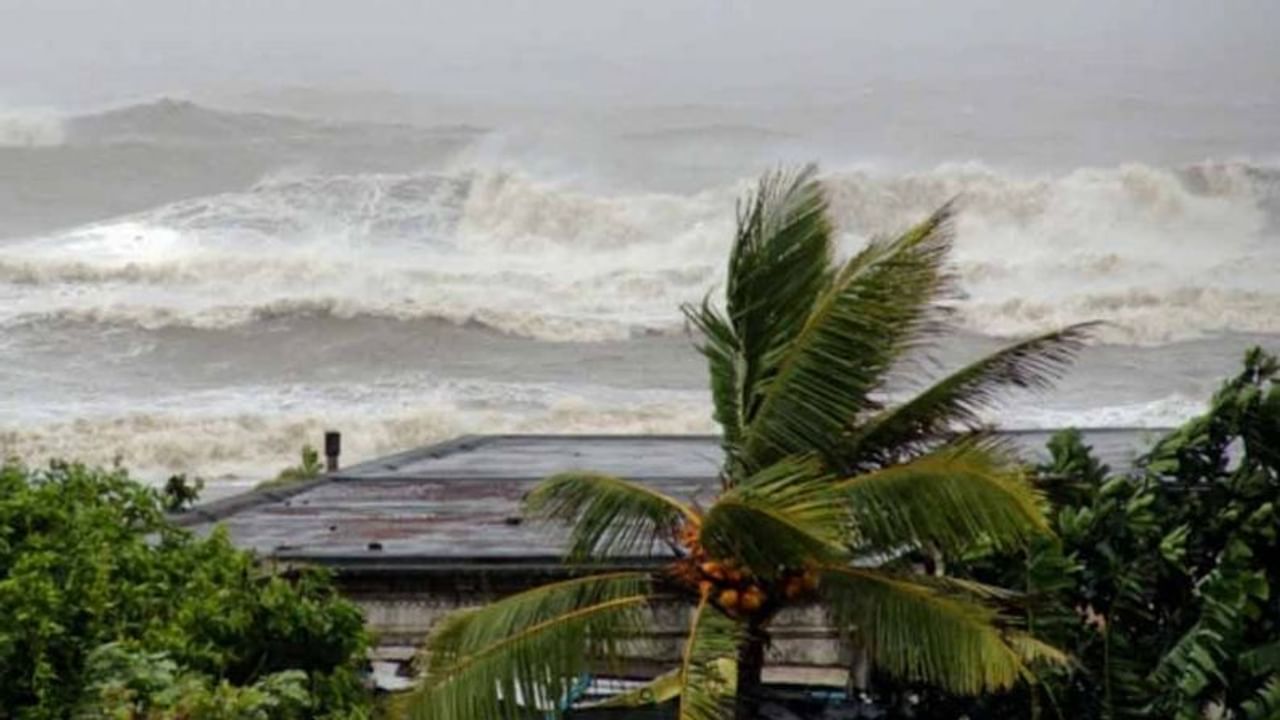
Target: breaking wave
31, 129
222, 440
232, 437
1161, 254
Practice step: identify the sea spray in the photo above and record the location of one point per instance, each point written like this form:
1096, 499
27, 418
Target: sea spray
31, 129
1160, 254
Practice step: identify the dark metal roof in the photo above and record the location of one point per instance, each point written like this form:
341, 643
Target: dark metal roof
458, 503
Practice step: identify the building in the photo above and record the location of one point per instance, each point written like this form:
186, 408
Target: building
415, 535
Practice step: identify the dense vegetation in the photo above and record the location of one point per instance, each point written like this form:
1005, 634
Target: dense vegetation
1162, 584
825, 491
108, 611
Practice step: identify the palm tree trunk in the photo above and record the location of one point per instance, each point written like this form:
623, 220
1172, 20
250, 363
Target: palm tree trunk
750, 672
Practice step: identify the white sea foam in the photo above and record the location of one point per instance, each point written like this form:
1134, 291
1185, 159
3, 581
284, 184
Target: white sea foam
1164, 412
237, 438
227, 432
31, 128
1161, 254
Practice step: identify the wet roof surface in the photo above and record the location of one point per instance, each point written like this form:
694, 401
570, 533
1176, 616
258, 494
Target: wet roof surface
536, 456
459, 502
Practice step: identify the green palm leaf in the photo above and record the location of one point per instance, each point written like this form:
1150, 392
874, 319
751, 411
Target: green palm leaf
526, 650
882, 303
787, 515
705, 681
1034, 651
1265, 704
949, 499
921, 633
706, 685
1262, 659
724, 353
779, 264
956, 401
608, 515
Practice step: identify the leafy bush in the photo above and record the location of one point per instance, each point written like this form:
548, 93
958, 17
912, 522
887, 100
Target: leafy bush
180, 493
137, 684
1162, 583
88, 562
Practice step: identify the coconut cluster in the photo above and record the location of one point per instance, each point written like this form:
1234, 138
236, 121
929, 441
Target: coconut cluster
734, 588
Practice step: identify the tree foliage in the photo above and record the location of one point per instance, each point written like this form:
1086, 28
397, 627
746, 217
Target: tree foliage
821, 480
1162, 583
130, 683
94, 580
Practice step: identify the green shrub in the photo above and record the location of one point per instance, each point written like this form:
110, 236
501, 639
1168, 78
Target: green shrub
87, 560
180, 493
1163, 583
131, 683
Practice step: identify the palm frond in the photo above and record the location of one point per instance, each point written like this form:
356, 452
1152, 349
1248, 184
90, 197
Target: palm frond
949, 499
882, 303
1034, 651
525, 651
955, 402
707, 683
954, 585
779, 263
706, 679
787, 515
1265, 704
920, 633
723, 351
661, 689
608, 515
1262, 659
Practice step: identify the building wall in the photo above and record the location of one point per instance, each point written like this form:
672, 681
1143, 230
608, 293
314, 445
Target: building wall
401, 609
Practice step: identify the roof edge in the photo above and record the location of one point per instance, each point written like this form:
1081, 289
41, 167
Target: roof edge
220, 509
216, 510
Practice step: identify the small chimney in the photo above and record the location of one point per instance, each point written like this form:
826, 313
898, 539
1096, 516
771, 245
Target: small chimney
332, 449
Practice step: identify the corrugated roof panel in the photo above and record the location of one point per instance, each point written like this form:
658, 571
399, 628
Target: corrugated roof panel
460, 501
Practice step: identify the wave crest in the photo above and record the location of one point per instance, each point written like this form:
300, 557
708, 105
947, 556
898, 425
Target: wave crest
250, 445
1160, 254
31, 129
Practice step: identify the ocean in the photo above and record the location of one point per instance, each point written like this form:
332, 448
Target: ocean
205, 287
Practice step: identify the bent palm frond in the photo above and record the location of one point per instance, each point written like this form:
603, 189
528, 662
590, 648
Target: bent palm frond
878, 306
1265, 703
1034, 651
921, 633
779, 263
706, 679
608, 515
723, 351
525, 651
955, 402
949, 499
953, 585
787, 515
708, 671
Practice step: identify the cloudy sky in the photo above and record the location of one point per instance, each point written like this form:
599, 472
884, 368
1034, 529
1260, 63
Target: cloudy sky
67, 53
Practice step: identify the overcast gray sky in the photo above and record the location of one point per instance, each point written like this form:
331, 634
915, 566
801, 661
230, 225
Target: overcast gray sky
78, 52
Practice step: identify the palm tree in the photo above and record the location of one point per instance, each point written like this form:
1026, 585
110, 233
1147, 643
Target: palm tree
828, 493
